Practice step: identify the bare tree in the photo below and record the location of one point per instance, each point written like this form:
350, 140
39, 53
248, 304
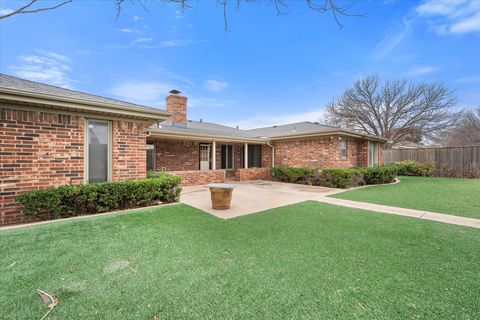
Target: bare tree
336, 7
467, 132
397, 110
28, 8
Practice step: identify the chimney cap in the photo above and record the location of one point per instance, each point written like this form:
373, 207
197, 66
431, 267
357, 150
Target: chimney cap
174, 91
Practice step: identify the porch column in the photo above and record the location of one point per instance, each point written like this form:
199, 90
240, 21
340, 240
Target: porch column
245, 154
214, 154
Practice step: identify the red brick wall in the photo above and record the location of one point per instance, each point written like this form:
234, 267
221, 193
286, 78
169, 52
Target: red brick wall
43, 149
322, 152
266, 156
197, 177
177, 155
253, 174
362, 147
129, 154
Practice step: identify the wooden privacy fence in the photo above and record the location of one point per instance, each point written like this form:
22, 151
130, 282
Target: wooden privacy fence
462, 162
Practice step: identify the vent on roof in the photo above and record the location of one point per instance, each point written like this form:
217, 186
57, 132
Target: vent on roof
201, 120
274, 126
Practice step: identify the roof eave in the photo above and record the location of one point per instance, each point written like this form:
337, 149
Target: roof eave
172, 134
340, 132
82, 105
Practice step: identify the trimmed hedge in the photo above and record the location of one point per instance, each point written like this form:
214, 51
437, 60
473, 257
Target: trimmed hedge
379, 175
414, 168
74, 200
158, 174
337, 177
292, 174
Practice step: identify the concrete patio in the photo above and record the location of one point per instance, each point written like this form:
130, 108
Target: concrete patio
254, 196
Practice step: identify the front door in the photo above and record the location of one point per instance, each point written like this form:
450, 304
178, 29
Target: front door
205, 156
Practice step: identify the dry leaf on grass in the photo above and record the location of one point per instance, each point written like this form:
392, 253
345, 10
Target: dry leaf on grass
47, 298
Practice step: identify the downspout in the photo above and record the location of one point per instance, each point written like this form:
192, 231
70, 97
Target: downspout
273, 153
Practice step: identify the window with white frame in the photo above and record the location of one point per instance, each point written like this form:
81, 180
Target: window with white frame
150, 156
344, 148
98, 151
372, 154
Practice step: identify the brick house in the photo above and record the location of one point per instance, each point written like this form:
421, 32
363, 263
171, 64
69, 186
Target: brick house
51, 136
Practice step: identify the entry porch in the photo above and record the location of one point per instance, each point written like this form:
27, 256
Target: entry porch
200, 161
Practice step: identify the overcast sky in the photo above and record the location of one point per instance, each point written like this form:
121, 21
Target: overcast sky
265, 70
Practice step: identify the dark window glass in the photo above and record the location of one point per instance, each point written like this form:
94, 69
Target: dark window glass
254, 156
226, 159
150, 157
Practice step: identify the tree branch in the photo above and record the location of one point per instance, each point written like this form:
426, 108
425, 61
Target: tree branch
23, 10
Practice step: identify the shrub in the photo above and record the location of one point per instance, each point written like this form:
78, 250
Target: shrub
73, 200
425, 169
414, 168
291, 174
338, 178
157, 174
379, 175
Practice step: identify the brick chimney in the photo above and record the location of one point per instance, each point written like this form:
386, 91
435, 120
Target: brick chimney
177, 105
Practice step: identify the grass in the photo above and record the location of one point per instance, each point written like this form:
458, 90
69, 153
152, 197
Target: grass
304, 261
459, 197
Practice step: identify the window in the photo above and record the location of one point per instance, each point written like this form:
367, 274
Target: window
254, 156
344, 148
226, 156
150, 156
98, 151
372, 154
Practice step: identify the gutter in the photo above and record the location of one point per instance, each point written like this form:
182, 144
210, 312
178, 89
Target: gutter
84, 104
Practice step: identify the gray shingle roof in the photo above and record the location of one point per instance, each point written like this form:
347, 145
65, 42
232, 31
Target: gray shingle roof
206, 128
14, 83
291, 128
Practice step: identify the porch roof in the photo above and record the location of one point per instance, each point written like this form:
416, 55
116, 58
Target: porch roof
199, 130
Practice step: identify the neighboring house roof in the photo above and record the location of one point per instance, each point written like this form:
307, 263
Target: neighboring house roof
308, 129
17, 89
201, 129
291, 128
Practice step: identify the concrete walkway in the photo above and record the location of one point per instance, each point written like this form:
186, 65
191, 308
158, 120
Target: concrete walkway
251, 197
425, 215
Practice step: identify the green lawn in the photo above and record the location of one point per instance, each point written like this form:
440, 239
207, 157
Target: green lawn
305, 261
459, 197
